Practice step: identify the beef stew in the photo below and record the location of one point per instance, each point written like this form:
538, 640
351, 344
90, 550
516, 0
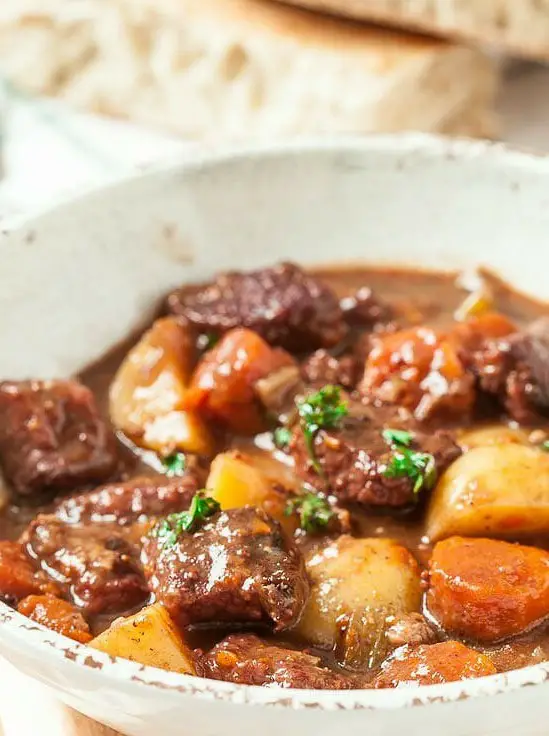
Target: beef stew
332, 479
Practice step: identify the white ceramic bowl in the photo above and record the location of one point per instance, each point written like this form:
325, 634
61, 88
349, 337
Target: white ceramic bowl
76, 280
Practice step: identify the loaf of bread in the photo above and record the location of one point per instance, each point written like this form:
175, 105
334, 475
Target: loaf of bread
243, 69
518, 27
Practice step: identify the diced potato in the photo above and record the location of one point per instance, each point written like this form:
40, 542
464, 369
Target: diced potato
148, 393
500, 490
486, 590
499, 434
350, 576
237, 479
149, 637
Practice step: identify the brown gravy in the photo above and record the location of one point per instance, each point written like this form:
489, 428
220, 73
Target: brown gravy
422, 297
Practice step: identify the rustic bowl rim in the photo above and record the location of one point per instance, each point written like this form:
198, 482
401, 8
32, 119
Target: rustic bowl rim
26, 634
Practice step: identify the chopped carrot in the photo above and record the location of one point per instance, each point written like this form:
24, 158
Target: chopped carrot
490, 326
486, 590
18, 577
57, 615
433, 664
419, 369
222, 386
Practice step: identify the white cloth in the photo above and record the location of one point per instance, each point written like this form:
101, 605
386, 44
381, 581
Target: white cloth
51, 152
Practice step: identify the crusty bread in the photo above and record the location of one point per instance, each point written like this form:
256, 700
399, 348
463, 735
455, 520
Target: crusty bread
519, 27
243, 69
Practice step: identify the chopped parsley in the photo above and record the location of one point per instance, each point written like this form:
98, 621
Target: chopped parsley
398, 437
282, 437
210, 340
175, 464
323, 410
315, 513
545, 446
174, 525
407, 463
206, 341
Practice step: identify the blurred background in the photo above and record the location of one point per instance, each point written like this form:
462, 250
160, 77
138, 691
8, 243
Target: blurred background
93, 89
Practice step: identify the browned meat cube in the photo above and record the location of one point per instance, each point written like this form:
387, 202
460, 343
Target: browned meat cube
321, 368
247, 660
133, 501
514, 369
239, 566
357, 464
18, 576
51, 437
283, 304
366, 309
412, 629
97, 568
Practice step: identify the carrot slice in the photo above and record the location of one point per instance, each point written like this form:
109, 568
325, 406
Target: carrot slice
57, 615
486, 590
18, 577
433, 664
222, 386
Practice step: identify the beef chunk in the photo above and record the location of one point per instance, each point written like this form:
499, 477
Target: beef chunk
321, 368
419, 370
353, 459
247, 660
412, 629
18, 576
365, 309
96, 567
239, 566
283, 304
515, 369
57, 615
51, 437
368, 635
133, 501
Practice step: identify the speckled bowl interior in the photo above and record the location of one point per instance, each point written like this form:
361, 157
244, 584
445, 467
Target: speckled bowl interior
76, 280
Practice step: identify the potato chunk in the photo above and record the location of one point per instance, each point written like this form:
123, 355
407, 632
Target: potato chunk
486, 590
500, 490
499, 434
433, 664
147, 396
149, 637
357, 578
237, 480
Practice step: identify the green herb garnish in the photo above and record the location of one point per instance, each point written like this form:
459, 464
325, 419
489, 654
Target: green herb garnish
210, 340
175, 464
545, 446
407, 463
322, 410
398, 437
174, 525
282, 437
315, 513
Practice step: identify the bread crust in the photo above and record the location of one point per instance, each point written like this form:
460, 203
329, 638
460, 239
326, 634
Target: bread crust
244, 69
517, 27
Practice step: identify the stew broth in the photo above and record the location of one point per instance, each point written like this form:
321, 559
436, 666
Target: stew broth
414, 298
